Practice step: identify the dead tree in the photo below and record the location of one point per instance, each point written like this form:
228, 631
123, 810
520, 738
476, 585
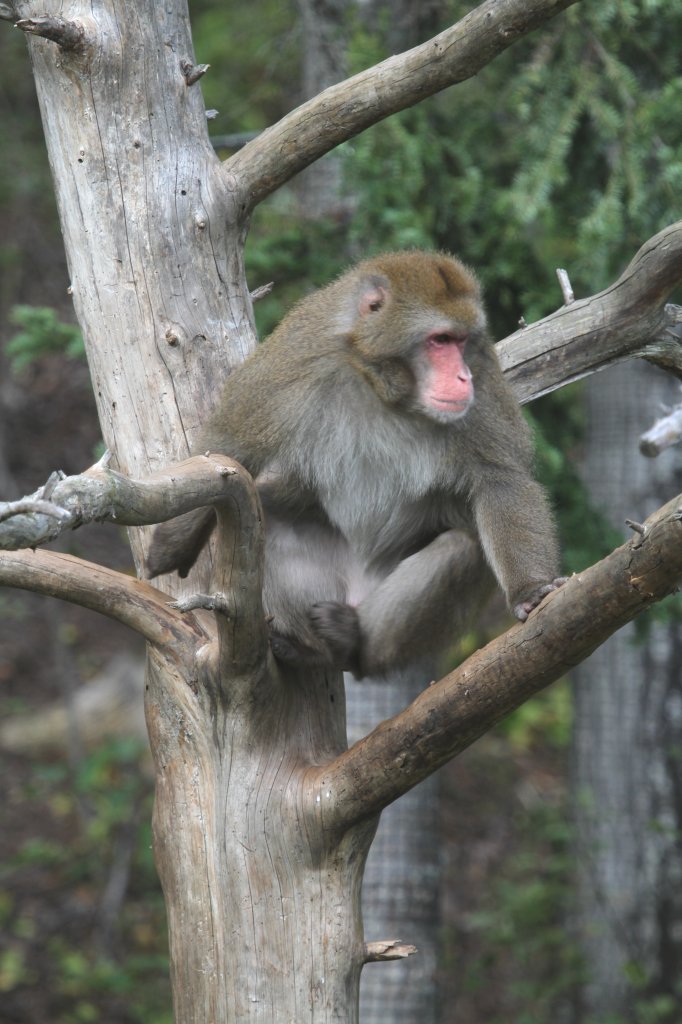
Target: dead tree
263, 817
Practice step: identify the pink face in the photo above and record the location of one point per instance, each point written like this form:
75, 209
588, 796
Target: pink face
448, 389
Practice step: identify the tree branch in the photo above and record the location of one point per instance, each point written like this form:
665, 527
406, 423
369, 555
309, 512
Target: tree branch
629, 318
448, 716
69, 35
388, 949
344, 110
664, 433
102, 494
132, 602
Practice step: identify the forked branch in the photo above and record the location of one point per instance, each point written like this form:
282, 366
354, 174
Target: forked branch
451, 714
629, 318
101, 494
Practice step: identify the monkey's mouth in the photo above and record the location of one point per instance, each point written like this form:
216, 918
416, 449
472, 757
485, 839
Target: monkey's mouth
451, 403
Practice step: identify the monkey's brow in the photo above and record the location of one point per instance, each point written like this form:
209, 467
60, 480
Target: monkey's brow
455, 283
449, 287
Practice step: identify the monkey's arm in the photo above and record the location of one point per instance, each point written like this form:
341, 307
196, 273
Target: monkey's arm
177, 544
517, 532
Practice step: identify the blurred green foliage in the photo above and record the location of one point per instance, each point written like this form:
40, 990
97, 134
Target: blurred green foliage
545, 721
521, 921
255, 61
41, 331
565, 151
97, 811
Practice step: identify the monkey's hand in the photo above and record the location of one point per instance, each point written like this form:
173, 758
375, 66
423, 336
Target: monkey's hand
523, 609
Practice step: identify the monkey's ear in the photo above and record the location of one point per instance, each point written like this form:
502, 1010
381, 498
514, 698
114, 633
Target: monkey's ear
373, 294
366, 294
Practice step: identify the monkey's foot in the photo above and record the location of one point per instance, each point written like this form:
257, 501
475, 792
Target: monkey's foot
285, 649
293, 652
338, 626
523, 609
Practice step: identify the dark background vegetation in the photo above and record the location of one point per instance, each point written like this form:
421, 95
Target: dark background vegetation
566, 151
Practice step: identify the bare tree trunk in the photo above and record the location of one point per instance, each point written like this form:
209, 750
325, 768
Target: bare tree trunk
626, 766
263, 902
401, 884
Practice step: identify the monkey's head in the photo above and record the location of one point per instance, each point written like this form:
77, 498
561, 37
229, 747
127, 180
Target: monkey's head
415, 325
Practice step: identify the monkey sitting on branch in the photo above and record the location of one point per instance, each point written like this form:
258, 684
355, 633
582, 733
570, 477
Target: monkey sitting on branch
393, 465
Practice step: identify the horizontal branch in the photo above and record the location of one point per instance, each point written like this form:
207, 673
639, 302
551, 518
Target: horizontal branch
628, 319
449, 715
388, 949
135, 604
100, 494
344, 110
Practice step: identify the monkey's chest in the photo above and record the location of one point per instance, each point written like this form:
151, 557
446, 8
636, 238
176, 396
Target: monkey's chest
384, 481
384, 509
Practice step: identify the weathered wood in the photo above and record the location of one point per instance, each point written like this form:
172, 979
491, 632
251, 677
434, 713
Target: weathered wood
264, 912
100, 493
664, 433
152, 231
629, 318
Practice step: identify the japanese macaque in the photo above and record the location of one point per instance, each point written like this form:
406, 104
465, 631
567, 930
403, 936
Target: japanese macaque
393, 465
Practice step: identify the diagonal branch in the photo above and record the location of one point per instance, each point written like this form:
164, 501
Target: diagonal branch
132, 602
451, 714
629, 318
344, 110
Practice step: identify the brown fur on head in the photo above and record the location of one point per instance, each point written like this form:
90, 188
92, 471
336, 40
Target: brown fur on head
399, 296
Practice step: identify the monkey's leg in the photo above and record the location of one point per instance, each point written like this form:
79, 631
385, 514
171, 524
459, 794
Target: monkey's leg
414, 613
303, 560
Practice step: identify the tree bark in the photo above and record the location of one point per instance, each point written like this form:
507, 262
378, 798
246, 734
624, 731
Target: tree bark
628, 732
629, 318
153, 239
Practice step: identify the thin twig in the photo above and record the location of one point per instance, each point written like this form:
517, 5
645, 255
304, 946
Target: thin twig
565, 284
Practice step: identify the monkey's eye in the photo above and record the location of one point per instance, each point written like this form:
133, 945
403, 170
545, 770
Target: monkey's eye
446, 338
